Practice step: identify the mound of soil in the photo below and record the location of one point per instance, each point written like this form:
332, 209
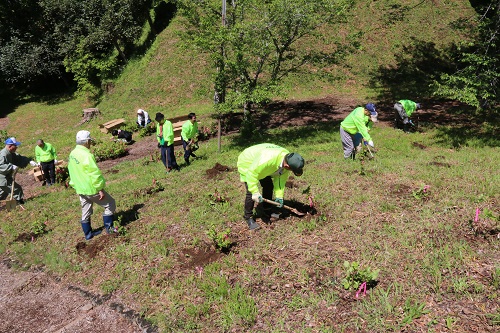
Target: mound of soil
217, 171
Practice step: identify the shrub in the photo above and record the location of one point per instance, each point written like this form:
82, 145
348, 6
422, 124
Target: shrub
109, 150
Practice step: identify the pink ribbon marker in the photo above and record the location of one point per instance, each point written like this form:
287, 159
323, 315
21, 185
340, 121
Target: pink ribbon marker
311, 203
362, 288
477, 215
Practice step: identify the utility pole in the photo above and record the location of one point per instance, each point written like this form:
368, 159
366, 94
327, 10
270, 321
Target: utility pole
219, 95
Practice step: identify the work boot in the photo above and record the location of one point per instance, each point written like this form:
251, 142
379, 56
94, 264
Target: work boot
187, 161
108, 223
252, 225
87, 230
192, 154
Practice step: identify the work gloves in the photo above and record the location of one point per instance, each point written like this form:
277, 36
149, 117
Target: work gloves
33, 163
257, 197
280, 202
411, 123
55, 162
369, 143
14, 168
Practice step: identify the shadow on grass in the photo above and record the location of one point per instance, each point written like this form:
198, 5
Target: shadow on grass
128, 216
457, 137
418, 65
289, 136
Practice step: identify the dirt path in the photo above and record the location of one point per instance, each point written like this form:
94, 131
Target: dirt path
32, 301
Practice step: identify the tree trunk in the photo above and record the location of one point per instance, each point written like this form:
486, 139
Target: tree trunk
122, 55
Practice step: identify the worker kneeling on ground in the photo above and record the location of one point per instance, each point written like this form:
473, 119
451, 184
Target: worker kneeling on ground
268, 164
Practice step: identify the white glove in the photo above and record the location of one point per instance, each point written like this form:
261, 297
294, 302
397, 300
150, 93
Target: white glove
55, 161
370, 143
33, 163
14, 167
257, 197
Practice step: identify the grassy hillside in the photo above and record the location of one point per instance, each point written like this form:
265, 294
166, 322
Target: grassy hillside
408, 213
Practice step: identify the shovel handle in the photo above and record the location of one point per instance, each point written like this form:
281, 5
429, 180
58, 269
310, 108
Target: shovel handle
284, 206
12, 187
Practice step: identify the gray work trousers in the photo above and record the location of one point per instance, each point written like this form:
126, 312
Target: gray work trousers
351, 143
6, 190
401, 112
87, 203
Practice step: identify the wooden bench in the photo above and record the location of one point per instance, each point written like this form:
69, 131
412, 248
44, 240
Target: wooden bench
111, 125
177, 123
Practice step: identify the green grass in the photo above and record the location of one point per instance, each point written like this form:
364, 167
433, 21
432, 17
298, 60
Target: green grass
420, 245
286, 277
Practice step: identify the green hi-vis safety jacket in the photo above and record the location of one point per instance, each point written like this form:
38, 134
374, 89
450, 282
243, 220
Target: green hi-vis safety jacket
86, 178
262, 160
356, 122
168, 133
189, 130
409, 106
45, 154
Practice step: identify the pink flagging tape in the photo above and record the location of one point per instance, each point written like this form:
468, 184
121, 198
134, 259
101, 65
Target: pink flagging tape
362, 288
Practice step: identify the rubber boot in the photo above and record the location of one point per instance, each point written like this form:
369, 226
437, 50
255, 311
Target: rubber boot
108, 223
252, 225
87, 230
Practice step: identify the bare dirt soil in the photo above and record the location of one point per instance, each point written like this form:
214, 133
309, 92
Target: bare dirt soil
34, 301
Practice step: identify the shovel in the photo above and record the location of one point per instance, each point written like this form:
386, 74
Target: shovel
293, 210
370, 151
10, 204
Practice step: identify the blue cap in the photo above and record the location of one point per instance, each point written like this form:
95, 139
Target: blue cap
12, 141
371, 107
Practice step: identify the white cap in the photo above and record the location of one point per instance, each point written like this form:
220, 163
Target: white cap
82, 137
140, 111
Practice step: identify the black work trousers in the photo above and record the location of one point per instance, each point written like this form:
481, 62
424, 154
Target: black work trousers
267, 192
49, 172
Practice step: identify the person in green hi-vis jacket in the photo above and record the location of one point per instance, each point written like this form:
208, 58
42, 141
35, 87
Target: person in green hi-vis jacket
46, 157
355, 128
189, 133
165, 137
403, 111
88, 182
269, 165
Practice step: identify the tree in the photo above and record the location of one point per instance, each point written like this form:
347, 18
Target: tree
258, 44
44, 39
28, 51
477, 72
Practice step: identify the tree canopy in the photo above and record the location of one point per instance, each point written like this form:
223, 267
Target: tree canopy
477, 64
256, 44
42, 39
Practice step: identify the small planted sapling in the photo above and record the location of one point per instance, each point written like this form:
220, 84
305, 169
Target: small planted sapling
220, 239
422, 192
355, 276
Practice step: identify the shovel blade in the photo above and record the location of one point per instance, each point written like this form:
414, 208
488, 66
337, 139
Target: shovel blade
10, 205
